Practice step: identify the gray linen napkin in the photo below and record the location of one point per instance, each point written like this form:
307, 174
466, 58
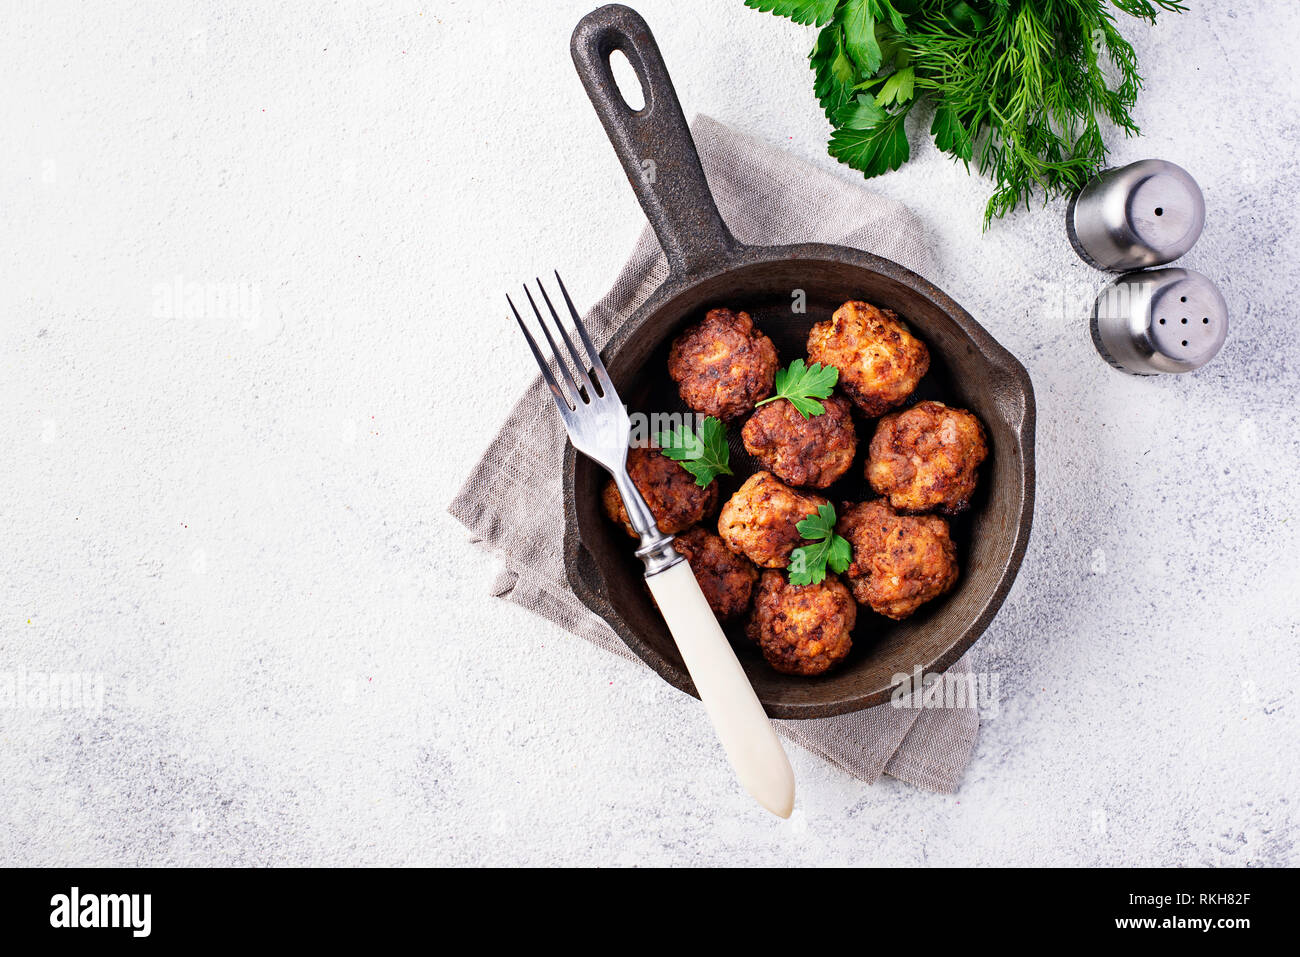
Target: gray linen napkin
512, 502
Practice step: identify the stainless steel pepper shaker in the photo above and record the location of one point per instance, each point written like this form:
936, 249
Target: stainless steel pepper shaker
1159, 320
1145, 214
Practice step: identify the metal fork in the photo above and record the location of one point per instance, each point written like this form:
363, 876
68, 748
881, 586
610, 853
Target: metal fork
598, 426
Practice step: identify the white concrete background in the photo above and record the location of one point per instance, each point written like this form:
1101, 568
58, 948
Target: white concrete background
239, 522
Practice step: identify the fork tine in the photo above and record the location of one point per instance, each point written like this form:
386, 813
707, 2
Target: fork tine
596, 364
561, 399
580, 396
578, 362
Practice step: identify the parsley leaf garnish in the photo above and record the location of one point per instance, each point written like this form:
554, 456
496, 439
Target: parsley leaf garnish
808, 562
803, 385
705, 455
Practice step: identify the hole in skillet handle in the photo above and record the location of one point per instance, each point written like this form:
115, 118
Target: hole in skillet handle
628, 83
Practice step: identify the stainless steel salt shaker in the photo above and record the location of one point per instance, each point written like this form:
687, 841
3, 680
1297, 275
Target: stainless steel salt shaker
1145, 214
1159, 320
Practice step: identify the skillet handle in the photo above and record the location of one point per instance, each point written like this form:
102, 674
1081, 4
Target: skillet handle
653, 143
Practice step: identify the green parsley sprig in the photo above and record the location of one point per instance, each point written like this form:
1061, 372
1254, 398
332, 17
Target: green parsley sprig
1019, 87
808, 563
803, 385
705, 455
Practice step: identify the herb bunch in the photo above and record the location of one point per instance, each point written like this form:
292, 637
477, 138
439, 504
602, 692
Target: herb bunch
1019, 87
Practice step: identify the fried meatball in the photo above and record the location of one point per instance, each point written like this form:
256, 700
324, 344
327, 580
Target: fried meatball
727, 579
812, 452
927, 457
759, 520
723, 365
802, 629
899, 561
675, 500
880, 361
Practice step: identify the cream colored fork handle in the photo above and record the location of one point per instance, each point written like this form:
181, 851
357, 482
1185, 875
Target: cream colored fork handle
741, 723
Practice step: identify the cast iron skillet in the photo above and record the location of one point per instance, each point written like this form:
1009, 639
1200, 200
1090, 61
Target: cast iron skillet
707, 268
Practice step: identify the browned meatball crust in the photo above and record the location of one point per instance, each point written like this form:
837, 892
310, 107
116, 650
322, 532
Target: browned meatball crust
675, 500
802, 629
812, 452
879, 360
899, 561
927, 457
727, 579
723, 365
760, 520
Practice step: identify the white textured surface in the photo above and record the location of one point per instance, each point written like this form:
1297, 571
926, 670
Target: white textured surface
240, 524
